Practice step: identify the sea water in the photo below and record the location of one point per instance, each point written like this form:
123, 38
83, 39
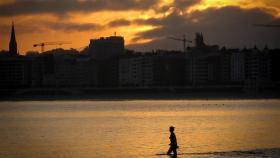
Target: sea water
139, 128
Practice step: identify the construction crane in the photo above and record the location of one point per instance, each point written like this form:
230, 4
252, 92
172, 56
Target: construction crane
43, 44
184, 40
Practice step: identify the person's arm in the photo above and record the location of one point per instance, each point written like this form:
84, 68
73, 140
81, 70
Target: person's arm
175, 139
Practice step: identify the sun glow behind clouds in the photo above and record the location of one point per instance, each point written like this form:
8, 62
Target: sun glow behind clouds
102, 18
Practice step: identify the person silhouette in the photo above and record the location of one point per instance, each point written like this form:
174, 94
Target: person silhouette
173, 142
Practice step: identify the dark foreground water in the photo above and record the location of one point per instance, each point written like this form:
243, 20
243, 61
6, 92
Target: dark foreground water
132, 129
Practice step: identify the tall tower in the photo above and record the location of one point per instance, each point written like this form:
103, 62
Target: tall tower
199, 40
13, 42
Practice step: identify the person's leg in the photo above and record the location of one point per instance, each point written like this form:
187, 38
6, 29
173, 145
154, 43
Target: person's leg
175, 150
169, 150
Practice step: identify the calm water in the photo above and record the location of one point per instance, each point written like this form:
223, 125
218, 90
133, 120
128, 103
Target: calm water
88, 129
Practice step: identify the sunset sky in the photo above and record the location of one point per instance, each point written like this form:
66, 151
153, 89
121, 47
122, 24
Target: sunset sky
145, 24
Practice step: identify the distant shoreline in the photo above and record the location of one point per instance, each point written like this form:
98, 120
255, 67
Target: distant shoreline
144, 96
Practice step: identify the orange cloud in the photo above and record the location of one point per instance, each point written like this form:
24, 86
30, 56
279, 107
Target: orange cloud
80, 20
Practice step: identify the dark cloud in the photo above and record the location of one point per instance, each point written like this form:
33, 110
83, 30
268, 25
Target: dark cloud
150, 21
124, 22
119, 22
60, 7
23, 28
228, 26
72, 27
183, 4
170, 25
160, 43
5, 29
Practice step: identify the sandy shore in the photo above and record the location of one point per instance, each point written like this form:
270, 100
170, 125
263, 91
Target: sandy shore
144, 96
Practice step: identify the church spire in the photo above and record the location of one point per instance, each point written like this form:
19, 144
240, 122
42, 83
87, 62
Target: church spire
13, 42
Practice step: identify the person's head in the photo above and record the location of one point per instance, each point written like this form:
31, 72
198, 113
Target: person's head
171, 129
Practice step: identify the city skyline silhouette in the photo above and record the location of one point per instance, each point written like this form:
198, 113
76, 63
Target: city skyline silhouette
106, 63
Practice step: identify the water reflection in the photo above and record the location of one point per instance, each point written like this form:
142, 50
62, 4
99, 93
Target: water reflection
89, 129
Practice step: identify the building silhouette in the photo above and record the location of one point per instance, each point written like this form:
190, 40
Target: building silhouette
106, 52
15, 70
258, 70
13, 42
106, 47
199, 40
106, 65
131, 70
203, 63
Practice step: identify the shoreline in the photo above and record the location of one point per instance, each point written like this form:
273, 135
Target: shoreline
144, 96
